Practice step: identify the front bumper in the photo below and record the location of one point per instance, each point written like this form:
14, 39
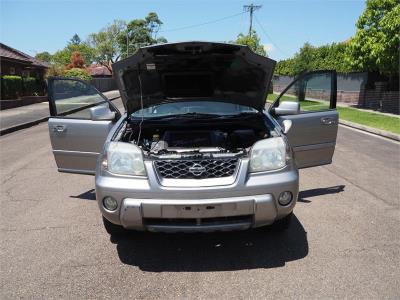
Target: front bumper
194, 215
249, 201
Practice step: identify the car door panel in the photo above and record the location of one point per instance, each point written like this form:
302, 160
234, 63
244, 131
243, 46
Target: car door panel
312, 140
76, 140
78, 145
313, 133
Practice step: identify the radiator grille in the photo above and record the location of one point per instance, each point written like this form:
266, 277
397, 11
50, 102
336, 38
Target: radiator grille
196, 169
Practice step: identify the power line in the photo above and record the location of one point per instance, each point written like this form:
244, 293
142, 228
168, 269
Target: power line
268, 37
202, 24
251, 8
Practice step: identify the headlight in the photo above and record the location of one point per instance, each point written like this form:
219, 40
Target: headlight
125, 159
269, 154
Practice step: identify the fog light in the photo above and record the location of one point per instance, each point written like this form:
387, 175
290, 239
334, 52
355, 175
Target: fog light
110, 203
285, 198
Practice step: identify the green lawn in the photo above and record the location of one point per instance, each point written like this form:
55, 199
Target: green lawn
371, 119
355, 115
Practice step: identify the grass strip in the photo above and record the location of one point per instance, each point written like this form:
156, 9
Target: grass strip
355, 115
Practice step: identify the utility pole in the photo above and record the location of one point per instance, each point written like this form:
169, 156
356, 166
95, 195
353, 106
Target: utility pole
251, 8
127, 39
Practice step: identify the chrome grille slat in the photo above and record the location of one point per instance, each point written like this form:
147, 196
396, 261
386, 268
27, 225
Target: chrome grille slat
196, 168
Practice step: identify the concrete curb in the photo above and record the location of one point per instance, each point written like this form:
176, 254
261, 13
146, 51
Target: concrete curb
382, 133
17, 127
4, 131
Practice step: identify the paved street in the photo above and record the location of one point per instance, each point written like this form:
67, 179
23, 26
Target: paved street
344, 242
31, 113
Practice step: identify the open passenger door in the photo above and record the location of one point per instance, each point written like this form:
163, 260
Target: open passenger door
308, 107
80, 120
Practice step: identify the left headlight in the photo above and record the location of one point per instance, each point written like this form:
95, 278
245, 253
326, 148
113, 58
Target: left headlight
269, 154
125, 159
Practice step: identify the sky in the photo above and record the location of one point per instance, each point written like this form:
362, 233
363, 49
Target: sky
283, 26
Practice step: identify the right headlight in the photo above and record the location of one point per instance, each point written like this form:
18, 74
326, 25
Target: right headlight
269, 154
125, 159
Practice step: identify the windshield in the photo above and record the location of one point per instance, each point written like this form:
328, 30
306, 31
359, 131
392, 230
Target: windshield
193, 107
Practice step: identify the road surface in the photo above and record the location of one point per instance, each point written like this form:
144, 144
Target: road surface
344, 242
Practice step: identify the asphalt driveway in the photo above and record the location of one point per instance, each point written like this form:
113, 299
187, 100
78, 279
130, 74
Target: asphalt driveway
344, 242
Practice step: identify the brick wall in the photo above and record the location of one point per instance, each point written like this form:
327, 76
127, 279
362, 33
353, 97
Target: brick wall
386, 101
348, 97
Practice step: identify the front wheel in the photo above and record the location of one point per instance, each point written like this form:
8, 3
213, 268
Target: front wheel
113, 229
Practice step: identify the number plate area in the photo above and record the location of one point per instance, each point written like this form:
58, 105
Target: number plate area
189, 211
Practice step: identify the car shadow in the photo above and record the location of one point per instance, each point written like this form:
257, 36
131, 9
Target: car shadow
88, 195
303, 195
224, 251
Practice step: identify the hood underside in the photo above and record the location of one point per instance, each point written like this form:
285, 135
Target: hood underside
193, 70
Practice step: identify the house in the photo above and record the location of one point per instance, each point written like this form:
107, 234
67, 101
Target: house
99, 71
15, 62
27, 78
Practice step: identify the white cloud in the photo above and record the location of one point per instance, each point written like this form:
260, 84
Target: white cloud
269, 48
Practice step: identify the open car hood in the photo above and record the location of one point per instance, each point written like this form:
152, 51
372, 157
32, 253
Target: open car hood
175, 72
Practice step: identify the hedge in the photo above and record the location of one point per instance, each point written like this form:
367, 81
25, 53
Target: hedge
11, 86
30, 86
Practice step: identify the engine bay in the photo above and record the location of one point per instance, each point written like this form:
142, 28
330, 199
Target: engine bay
166, 139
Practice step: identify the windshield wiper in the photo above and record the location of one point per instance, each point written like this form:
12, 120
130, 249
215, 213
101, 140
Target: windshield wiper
242, 114
191, 115
197, 115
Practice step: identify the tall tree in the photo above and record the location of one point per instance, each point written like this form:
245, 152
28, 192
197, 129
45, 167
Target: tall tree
375, 46
75, 40
153, 23
139, 33
105, 43
253, 41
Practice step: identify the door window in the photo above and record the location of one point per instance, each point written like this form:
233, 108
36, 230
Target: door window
74, 98
315, 91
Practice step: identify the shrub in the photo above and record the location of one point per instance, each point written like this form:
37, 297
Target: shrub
55, 70
30, 86
76, 61
78, 73
11, 86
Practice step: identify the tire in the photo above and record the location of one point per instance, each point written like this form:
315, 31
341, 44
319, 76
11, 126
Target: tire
113, 229
284, 223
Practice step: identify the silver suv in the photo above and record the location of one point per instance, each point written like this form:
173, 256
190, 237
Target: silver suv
196, 149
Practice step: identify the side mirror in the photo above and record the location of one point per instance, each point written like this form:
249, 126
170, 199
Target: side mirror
101, 113
287, 108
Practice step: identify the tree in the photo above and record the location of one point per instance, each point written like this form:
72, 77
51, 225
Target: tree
375, 46
310, 58
105, 43
77, 61
253, 41
75, 40
44, 56
63, 56
139, 33
153, 23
